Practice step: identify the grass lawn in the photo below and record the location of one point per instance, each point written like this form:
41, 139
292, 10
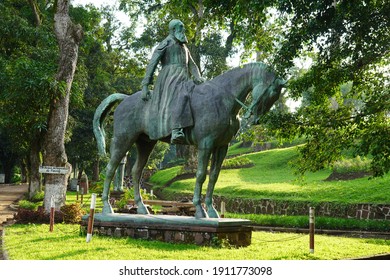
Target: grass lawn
35, 242
272, 177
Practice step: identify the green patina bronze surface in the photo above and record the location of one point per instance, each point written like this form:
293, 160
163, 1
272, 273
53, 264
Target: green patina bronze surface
144, 220
214, 104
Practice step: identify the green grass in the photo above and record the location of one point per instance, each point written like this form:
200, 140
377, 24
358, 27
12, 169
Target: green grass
65, 243
320, 222
236, 149
273, 178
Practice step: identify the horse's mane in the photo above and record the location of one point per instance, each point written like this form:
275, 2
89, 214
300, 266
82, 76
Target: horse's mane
254, 67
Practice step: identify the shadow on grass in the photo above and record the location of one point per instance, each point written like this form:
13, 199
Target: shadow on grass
160, 245
69, 255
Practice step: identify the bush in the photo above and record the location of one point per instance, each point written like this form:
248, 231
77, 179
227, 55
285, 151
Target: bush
39, 216
129, 194
38, 197
356, 164
237, 162
28, 205
72, 213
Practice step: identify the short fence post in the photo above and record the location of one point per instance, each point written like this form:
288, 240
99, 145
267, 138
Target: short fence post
91, 217
223, 209
311, 229
52, 208
77, 192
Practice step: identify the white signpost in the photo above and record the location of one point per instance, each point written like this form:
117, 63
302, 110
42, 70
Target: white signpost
53, 170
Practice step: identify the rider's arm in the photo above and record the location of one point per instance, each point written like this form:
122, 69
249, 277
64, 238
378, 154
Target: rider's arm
157, 54
194, 70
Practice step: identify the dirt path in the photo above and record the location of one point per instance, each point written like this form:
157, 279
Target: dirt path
9, 194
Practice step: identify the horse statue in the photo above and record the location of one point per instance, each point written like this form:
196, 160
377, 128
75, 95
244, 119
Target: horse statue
215, 105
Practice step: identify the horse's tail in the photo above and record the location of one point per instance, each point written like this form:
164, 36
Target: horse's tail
100, 114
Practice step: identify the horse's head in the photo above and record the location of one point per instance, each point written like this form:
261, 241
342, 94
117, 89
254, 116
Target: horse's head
264, 96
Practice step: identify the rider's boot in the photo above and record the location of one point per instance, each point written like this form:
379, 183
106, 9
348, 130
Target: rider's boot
177, 136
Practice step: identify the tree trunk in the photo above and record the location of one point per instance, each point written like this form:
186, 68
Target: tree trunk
34, 185
96, 171
24, 171
68, 37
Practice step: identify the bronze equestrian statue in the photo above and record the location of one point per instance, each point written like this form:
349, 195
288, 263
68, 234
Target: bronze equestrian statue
214, 106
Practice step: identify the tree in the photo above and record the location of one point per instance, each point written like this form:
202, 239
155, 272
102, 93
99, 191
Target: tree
27, 67
350, 41
68, 36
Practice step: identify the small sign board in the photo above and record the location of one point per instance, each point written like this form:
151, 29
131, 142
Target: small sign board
53, 170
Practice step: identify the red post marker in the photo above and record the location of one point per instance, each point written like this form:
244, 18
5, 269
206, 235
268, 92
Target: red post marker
91, 217
52, 208
311, 229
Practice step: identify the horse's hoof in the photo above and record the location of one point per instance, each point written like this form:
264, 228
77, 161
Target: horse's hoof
212, 213
142, 209
107, 209
200, 213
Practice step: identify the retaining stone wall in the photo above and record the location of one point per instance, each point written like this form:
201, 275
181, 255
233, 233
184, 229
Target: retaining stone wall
267, 206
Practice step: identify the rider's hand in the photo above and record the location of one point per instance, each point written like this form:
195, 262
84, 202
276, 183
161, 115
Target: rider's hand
145, 93
199, 80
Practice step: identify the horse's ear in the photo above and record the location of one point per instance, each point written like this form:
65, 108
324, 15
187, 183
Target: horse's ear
281, 82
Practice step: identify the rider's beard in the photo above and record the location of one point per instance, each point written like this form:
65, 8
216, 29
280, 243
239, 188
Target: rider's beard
181, 37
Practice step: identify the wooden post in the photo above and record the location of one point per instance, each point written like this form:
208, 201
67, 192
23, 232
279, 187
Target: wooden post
223, 209
311, 229
52, 208
77, 192
91, 217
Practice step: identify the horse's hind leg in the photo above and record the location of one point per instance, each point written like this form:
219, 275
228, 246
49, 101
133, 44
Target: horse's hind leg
144, 148
119, 147
203, 160
216, 163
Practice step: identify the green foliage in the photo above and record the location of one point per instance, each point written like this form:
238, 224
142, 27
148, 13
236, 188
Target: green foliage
25, 204
129, 194
237, 162
334, 117
352, 165
38, 197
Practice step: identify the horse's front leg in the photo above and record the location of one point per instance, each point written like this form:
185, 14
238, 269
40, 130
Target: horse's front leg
203, 159
216, 163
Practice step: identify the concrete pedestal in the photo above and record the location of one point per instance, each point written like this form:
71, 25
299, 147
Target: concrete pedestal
175, 229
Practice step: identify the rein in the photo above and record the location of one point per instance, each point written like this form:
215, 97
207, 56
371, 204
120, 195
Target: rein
248, 110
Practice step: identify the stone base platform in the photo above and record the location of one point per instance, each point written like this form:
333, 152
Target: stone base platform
175, 229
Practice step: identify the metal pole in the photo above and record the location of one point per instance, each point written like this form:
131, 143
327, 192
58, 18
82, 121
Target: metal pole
91, 217
52, 207
311, 229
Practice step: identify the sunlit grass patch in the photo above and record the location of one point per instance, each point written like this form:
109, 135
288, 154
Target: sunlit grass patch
35, 242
